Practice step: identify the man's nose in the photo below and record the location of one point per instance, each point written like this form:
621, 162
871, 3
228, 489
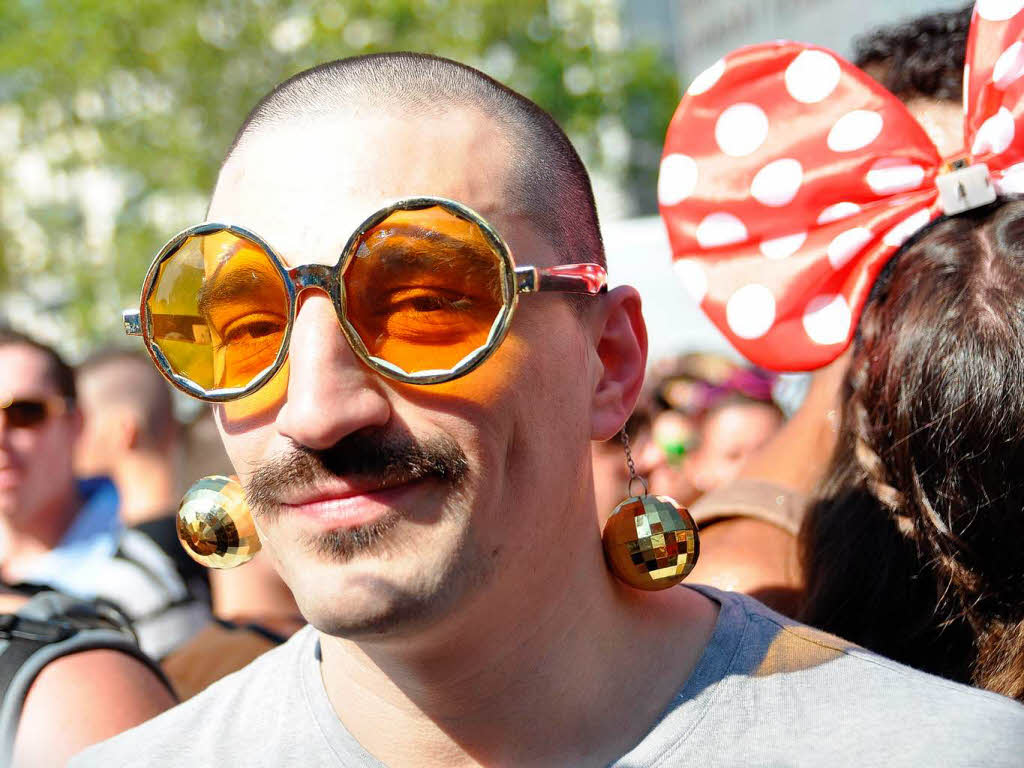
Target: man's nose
331, 393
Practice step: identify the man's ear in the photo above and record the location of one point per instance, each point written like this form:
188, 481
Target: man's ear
128, 431
621, 336
76, 419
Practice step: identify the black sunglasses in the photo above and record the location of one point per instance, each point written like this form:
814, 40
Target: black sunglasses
30, 412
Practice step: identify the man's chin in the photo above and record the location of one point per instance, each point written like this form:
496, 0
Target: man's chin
367, 606
372, 596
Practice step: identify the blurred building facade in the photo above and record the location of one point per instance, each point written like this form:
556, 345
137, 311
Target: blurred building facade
697, 33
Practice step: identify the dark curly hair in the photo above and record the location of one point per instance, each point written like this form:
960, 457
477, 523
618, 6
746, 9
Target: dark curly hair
923, 57
912, 545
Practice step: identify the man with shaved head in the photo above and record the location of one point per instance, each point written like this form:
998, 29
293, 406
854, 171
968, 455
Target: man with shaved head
416, 457
130, 434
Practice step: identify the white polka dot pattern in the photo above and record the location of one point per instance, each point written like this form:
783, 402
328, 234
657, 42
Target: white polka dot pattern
812, 77
750, 311
677, 178
782, 247
847, 245
693, 277
838, 211
1009, 66
907, 228
998, 10
890, 176
855, 130
1012, 181
706, 80
718, 229
827, 319
967, 85
778, 182
741, 129
995, 134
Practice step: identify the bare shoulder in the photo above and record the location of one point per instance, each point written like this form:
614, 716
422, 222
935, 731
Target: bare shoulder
752, 556
84, 698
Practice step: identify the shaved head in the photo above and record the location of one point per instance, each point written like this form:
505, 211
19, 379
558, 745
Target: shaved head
127, 380
546, 182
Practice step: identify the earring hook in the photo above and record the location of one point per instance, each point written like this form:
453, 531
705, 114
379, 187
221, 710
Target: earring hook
632, 467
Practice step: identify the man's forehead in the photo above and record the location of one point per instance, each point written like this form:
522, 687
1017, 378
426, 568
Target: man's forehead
25, 370
305, 185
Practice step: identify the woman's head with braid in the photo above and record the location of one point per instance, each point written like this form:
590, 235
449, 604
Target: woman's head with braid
912, 547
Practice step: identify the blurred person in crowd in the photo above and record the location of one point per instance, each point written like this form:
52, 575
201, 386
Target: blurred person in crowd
659, 459
131, 436
904, 543
712, 415
71, 675
731, 431
256, 596
698, 418
748, 549
432, 508
921, 61
64, 533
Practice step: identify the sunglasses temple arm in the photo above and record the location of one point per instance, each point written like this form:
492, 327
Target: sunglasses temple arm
132, 322
591, 279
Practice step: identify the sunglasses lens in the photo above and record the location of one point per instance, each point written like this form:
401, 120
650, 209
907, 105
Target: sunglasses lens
424, 289
25, 413
219, 310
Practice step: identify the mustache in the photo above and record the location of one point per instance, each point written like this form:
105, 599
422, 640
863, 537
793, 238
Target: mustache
372, 455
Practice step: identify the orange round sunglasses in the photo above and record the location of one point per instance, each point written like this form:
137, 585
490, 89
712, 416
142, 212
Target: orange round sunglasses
424, 290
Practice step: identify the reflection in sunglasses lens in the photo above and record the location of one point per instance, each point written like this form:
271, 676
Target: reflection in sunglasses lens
218, 310
423, 290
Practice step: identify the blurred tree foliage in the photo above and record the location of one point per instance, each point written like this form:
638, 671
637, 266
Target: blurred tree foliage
114, 116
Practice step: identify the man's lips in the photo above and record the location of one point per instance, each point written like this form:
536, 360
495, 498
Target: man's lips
344, 505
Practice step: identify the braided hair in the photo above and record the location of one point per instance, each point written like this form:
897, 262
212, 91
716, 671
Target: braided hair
911, 546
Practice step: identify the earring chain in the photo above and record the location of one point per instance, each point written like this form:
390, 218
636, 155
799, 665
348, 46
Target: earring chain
632, 466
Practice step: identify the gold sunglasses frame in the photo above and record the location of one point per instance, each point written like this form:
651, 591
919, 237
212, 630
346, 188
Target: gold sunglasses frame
583, 278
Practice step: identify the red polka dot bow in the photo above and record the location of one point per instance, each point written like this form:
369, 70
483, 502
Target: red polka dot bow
790, 177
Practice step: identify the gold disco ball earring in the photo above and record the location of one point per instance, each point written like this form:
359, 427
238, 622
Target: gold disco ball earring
215, 525
650, 542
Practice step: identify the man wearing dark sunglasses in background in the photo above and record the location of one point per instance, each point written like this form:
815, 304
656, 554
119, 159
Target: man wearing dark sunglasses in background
63, 533
419, 469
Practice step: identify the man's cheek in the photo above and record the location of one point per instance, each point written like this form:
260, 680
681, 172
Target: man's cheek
247, 451
479, 392
255, 410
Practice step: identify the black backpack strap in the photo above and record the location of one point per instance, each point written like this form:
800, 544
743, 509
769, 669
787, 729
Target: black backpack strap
29, 642
24, 638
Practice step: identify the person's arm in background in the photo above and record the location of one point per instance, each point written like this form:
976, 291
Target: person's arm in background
742, 553
798, 454
84, 698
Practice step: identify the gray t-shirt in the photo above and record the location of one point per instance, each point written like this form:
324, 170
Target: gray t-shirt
766, 692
